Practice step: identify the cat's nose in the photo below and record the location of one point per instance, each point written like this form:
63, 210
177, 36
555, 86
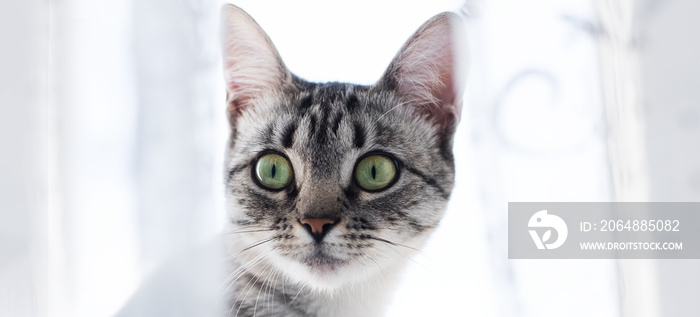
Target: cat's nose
318, 227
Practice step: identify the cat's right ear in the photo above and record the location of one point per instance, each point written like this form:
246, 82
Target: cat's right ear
428, 72
252, 66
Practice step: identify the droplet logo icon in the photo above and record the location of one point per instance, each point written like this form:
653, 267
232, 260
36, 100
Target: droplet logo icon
552, 222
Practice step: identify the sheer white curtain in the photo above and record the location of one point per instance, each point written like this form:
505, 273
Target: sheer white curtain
23, 157
136, 139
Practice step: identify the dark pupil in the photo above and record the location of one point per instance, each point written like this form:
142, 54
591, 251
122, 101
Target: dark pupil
274, 170
374, 172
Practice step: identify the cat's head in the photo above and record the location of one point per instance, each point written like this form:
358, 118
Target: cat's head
331, 182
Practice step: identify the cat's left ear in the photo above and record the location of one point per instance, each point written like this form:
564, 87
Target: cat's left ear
428, 72
252, 66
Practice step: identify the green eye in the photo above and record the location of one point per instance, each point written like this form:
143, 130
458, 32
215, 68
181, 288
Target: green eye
375, 172
273, 171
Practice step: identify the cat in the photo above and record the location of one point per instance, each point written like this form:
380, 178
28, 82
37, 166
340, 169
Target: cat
331, 187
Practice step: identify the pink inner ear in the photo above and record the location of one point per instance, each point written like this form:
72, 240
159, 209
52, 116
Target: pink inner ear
446, 104
425, 73
236, 99
236, 106
252, 65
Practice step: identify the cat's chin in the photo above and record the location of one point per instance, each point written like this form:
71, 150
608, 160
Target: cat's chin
323, 264
323, 272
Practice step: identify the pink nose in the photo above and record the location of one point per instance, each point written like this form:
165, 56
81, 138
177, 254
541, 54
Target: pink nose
317, 227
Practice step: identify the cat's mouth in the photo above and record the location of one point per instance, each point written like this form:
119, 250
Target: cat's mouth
320, 261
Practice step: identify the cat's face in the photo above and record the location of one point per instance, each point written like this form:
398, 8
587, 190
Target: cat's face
330, 183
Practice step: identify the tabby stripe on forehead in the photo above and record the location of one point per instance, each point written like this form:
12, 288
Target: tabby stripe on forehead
307, 102
352, 103
288, 134
269, 133
322, 133
360, 135
336, 122
312, 124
